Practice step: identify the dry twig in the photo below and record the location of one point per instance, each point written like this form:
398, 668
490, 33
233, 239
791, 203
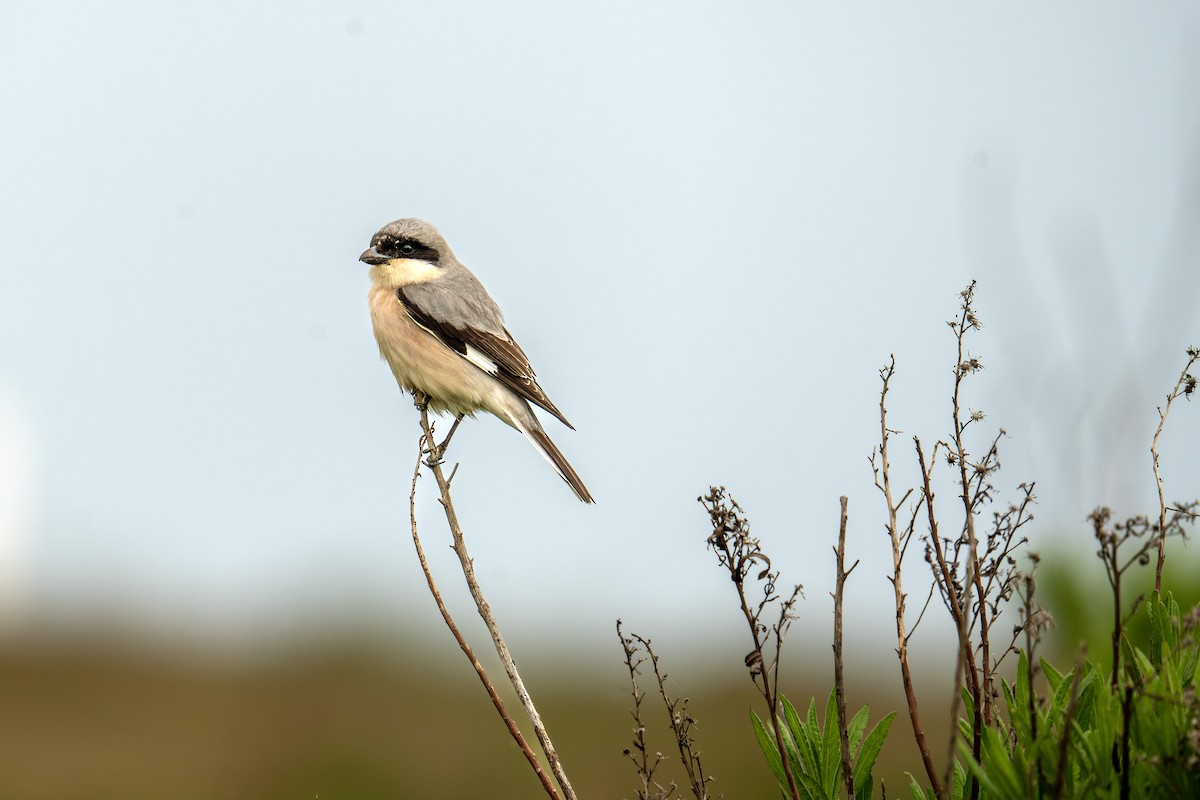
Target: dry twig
680, 721
740, 553
839, 677
980, 689
1184, 387
900, 537
974, 572
435, 453
640, 754
509, 723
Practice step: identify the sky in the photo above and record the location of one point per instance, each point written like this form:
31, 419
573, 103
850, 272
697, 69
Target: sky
708, 226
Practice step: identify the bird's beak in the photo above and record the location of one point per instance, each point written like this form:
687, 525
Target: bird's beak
371, 256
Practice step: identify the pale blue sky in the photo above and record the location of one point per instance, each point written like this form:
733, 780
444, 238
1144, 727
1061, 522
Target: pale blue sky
708, 226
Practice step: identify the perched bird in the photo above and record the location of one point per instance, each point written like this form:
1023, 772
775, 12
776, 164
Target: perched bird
443, 335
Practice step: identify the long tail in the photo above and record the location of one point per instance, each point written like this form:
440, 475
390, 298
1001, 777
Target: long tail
555, 458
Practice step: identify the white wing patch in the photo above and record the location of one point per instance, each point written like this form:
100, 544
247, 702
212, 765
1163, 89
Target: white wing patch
480, 360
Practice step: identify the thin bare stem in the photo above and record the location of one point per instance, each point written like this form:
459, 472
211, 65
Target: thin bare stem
485, 611
1185, 386
883, 481
839, 677
681, 723
640, 754
980, 685
944, 576
509, 723
928, 597
739, 553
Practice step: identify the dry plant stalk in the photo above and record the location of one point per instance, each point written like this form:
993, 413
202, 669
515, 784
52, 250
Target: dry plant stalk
900, 538
509, 722
680, 721
989, 571
640, 754
1185, 387
435, 453
740, 553
980, 684
954, 600
975, 574
839, 676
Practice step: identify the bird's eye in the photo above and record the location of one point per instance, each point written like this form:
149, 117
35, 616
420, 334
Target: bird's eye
407, 249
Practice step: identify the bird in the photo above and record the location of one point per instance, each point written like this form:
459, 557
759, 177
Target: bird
443, 336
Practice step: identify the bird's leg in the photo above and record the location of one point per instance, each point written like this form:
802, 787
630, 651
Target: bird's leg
436, 454
435, 451
421, 401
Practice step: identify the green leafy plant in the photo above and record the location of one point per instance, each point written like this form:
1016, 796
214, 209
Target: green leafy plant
1091, 739
814, 749
1124, 726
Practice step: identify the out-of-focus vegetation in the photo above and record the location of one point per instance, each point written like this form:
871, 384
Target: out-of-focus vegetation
349, 721
1073, 589
1134, 737
338, 723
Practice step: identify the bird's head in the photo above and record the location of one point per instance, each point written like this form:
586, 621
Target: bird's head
407, 251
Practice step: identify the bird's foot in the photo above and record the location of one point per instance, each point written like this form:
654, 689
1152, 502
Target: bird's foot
438, 452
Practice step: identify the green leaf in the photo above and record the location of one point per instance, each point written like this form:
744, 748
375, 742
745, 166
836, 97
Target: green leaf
1062, 692
917, 792
798, 742
1158, 634
968, 703
865, 759
831, 753
958, 787
1006, 772
1189, 656
1137, 664
981, 776
1018, 699
766, 743
795, 738
1087, 704
1018, 711
1022, 688
1189, 663
858, 724
1053, 676
1010, 694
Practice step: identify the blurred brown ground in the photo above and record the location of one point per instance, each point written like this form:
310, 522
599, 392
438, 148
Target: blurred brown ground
341, 720
88, 722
